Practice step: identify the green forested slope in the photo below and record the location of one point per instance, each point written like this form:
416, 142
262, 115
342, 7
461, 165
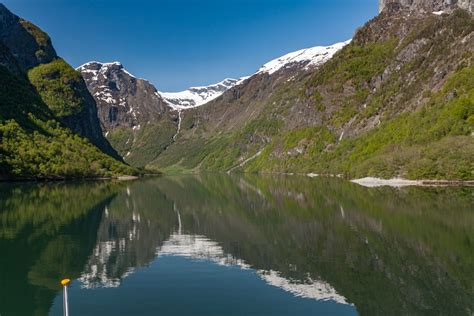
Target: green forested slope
55, 83
35, 145
48, 125
397, 101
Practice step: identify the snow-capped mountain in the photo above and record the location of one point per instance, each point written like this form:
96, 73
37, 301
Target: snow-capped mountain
123, 100
307, 58
131, 110
95, 72
197, 96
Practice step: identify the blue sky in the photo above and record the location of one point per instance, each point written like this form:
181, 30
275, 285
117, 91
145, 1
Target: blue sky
180, 43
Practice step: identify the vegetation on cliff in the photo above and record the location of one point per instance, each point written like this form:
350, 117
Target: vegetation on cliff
56, 83
35, 141
35, 145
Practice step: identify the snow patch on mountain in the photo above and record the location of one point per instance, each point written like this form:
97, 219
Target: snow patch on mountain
197, 96
97, 68
101, 72
312, 57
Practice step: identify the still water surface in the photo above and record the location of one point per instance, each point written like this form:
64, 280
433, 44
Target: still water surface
236, 245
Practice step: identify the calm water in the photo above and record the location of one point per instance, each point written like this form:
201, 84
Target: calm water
236, 245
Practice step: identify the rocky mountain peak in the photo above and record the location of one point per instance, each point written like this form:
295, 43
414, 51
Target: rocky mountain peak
26, 42
131, 111
113, 71
122, 99
425, 5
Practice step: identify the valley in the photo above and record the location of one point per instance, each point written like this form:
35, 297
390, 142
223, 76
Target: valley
396, 101
333, 180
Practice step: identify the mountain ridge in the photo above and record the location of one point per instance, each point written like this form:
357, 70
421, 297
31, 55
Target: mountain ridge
199, 95
395, 101
341, 116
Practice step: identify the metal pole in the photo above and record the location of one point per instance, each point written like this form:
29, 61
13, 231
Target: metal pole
65, 284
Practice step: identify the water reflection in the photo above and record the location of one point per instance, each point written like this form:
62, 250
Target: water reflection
382, 250
46, 231
201, 248
128, 235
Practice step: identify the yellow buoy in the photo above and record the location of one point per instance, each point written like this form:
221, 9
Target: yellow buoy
65, 282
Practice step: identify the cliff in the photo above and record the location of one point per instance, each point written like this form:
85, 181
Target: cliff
133, 115
426, 5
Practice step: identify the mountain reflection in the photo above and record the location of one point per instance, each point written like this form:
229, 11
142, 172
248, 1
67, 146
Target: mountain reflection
133, 226
46, 232
201, 248
386, 251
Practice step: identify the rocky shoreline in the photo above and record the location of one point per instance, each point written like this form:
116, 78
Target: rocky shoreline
372, 182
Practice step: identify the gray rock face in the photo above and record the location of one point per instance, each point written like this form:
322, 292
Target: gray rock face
425, 5
134, 117
8, 61
123, 101
87, 123
27, 43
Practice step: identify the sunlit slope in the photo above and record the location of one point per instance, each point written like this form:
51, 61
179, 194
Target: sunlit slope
397, 101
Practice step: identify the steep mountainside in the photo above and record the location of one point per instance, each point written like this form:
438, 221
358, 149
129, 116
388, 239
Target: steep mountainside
40, 95
61, 88
397, 101
134, 117
30, 45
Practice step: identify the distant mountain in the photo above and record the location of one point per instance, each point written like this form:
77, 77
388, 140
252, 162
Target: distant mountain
197, 96
102, 77
122, 99
48, 119
142, 122
134, 116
